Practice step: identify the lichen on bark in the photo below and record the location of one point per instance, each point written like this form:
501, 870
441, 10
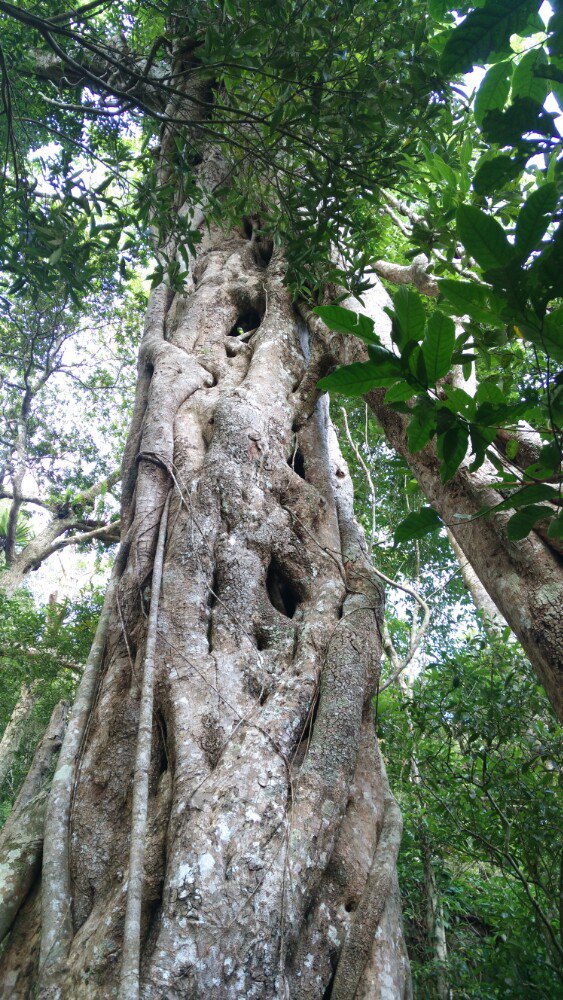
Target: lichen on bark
270, 820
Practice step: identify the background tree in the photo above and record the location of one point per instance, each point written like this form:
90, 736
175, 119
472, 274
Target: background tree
58, 463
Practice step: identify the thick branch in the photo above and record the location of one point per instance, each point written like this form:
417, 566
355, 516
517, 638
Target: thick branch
415, 274
359, 942
12, 735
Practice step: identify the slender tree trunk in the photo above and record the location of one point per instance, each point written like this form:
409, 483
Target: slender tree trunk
11, 738
479, 595
271, 834
435, 923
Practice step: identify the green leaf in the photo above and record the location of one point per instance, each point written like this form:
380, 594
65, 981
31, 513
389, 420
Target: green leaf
481, 438
56, 256
550, 338
521, 523
556, 527
417, 525
483, 237
452, 449
525, 83
460, 400
522, 117
438, 346
512, 447
422, 425
347, 321
439, 10
410, 314
491, 175
412, 359
494, 90
352, 380
489, 392
399, 393
536, 493
476, 300
547, 268
388, 366
486, 29
534, 218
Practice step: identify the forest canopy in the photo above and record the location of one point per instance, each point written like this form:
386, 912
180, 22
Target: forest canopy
267, 203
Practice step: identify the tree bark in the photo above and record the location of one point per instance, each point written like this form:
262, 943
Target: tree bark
21, 838
524, 579
435, 923
271, 834
479, 595
11, 738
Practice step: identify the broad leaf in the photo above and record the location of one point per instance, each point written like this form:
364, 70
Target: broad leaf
347, 321
410, 314
483, 237
438, 346
534, 494
493, 174
460, 401
352, 380
523, 117
481, 439
556, 527
452, 449
417, 525
476, 300
525, 83
486, 29
489, 392
399, 393
387, 364
550, 337
422, 425
521, 523
494, 90
534, 218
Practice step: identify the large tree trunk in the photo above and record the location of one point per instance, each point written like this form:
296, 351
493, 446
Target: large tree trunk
271, 835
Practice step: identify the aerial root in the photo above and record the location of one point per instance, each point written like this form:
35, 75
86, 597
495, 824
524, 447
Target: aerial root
357, 948
129, 983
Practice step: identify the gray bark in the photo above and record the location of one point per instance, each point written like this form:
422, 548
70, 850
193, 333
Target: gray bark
12, 735
271, 834
21, 838
479, 595
435, 923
